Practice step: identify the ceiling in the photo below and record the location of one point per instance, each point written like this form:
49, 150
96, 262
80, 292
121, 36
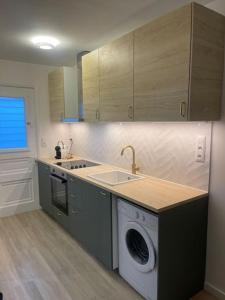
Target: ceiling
78, 24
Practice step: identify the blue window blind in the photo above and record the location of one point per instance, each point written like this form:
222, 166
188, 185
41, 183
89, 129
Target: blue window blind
13, 133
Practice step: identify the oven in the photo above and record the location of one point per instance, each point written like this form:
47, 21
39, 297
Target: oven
59, 190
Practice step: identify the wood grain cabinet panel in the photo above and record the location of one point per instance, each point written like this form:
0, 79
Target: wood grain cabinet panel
56, 94
90, 80
63, 94
207, 64
116, 80
178, 66
170, 69
161, 67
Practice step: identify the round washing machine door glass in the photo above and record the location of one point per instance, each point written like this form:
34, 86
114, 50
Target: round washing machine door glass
139, 247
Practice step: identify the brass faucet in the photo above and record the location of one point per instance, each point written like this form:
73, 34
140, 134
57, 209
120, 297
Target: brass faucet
134, 166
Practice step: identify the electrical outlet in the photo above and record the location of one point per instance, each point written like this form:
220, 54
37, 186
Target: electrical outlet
200, 149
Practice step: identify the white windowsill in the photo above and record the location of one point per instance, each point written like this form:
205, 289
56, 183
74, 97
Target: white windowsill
14, 150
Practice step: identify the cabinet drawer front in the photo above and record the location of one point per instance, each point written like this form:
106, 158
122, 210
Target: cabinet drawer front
43, 167
161, 67
74, 183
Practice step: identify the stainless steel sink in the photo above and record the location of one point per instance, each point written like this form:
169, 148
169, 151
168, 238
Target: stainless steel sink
115, 177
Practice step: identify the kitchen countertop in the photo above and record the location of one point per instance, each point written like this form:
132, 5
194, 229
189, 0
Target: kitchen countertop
152, 193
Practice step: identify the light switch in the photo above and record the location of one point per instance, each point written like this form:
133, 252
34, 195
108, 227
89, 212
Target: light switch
200, 149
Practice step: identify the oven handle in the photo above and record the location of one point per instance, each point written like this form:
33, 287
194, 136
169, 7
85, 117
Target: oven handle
57, 178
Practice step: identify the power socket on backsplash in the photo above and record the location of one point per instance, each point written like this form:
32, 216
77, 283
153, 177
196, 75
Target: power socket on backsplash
200, 149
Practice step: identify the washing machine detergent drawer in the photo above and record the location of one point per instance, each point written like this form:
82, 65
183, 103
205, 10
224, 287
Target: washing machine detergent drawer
135, 213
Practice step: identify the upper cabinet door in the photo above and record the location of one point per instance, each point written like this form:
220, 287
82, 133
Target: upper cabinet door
56, 95
116, 80
207, 64
90, 81
62, 85
161, 68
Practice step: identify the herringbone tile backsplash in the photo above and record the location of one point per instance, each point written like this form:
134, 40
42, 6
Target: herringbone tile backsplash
164, 150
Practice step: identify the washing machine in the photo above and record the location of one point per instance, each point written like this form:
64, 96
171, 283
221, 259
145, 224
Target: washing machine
138, 245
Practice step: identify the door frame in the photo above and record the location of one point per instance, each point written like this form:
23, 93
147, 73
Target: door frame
25, 170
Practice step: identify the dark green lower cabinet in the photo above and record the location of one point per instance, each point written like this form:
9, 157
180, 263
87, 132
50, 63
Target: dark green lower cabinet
61, 218
90, 219
45, 193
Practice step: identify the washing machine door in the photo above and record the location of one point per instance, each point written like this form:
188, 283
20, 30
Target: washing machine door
139, 247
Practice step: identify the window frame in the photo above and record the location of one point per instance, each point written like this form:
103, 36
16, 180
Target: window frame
28, 94
22, 149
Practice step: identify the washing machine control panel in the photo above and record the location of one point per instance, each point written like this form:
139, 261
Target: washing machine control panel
140, 215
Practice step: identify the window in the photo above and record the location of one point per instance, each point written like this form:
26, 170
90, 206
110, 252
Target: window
13, 132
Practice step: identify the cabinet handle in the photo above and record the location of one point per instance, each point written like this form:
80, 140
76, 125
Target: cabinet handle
97, 116
72, 195
130, 112
183, 109
103, 193
75, 211
59, 213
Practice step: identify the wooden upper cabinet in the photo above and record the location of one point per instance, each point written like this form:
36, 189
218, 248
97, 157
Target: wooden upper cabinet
178, 66
90, 81
63, 96
170, 69
161, 67
116, 80
56, 94
207, 64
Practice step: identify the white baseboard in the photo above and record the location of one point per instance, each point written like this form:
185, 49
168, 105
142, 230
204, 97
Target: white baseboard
18, 209
215, 291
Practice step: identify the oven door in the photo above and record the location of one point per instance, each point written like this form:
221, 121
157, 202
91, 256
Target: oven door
59, 193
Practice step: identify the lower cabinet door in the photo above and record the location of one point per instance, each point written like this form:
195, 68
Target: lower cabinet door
90, 219
76, 209
61, 218
101, 224
45, 194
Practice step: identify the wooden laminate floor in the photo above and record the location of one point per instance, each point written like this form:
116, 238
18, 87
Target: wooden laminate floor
40, 261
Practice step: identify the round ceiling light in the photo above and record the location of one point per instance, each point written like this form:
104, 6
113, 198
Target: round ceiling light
45, 42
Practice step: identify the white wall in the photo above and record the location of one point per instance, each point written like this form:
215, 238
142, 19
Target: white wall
215, 279
35, 76
20, 174
164, 150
